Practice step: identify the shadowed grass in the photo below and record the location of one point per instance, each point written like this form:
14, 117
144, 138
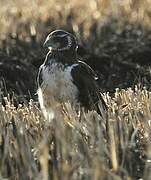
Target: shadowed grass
76, 147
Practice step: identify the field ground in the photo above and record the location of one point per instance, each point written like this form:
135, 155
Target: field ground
115, 39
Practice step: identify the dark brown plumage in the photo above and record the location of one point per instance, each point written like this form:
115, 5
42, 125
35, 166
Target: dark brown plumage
63, 78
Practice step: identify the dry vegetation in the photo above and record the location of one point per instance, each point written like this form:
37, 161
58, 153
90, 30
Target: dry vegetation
74, 147
21, 17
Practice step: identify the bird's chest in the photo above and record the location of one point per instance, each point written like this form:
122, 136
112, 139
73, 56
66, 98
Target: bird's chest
57, 86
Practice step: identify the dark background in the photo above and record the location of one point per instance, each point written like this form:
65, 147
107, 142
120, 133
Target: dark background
114, 38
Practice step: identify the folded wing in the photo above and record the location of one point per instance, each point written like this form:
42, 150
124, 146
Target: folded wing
89, 93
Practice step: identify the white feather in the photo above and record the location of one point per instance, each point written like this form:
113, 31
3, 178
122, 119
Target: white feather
57, 87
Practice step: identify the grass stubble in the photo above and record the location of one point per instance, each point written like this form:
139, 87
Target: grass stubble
39, 17
77, 145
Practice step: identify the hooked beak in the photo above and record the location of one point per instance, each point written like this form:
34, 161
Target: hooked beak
47, 43
50, 44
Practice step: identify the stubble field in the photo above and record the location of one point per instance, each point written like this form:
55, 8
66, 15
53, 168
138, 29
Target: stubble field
114, 38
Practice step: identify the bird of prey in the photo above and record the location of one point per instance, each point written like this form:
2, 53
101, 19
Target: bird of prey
64, 78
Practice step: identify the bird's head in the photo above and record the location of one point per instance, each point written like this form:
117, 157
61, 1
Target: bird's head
61, 41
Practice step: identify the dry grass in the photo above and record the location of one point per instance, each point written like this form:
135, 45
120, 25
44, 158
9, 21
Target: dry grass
76, 147
80, 16
73, 147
